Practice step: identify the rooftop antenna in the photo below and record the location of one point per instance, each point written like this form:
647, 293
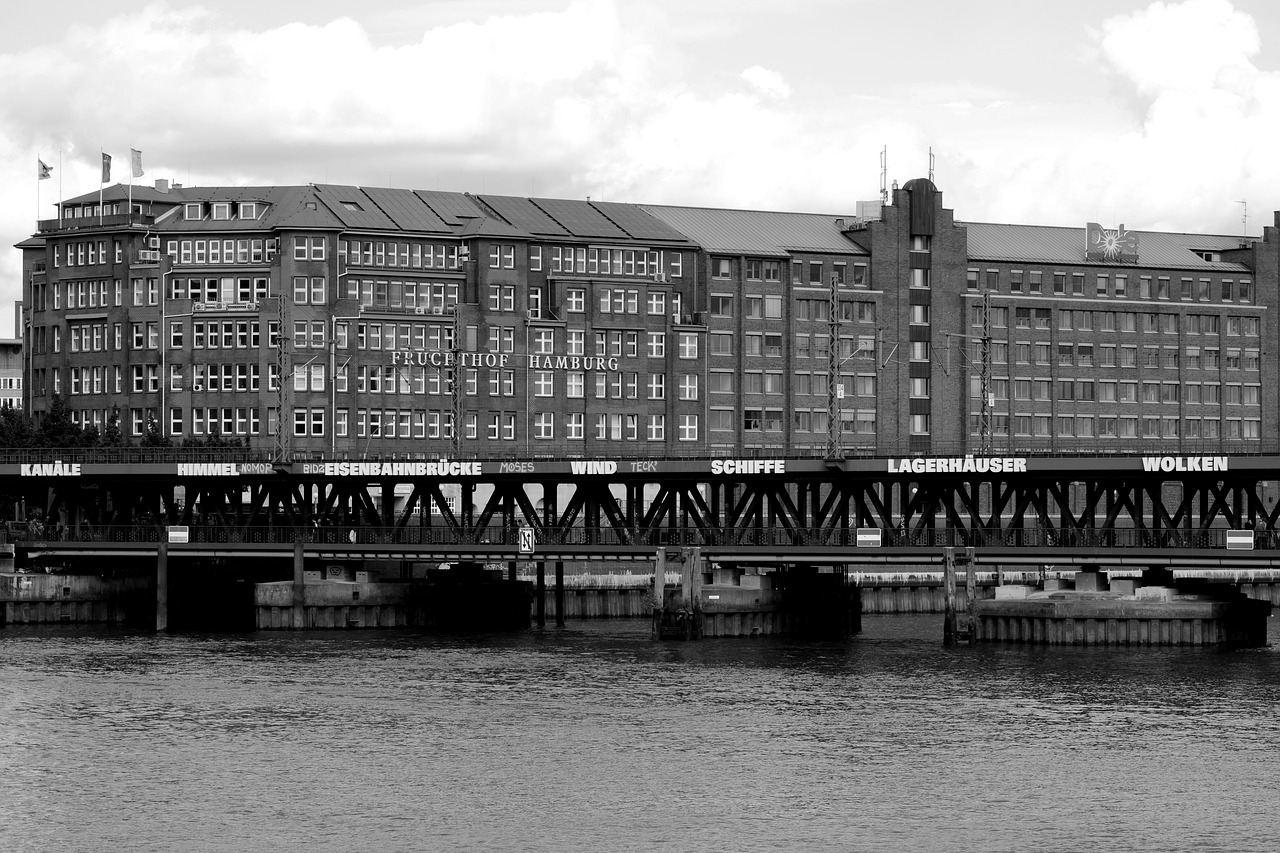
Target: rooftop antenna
930, 164
1244, 216
884, 175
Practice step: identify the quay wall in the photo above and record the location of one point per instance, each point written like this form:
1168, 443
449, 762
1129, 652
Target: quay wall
32, 599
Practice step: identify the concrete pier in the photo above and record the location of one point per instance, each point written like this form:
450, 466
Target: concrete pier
1095, 612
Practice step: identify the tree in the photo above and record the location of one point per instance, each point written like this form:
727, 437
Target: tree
57, 429
15, 428
153, 436
112, 436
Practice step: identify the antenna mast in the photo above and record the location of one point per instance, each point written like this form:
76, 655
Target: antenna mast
283, 379
930, 164
835, 389
884, 175
1244, 216
984, 375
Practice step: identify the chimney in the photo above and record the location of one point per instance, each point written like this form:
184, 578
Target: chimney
162, 185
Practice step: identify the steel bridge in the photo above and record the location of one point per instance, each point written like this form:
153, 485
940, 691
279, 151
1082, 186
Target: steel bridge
1017, 510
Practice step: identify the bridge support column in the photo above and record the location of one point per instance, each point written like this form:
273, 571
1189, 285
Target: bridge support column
540, 595
511, 570
559, 594
299, 587
162, 587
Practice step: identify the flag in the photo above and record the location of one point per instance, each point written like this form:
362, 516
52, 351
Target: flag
135, 162
43, 172
106, 168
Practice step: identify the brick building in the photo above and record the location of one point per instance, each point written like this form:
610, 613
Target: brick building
590, 328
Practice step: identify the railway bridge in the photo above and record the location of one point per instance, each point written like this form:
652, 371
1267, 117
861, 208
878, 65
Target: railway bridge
1110, 509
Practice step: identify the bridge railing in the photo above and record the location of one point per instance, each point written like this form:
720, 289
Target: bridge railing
750, 537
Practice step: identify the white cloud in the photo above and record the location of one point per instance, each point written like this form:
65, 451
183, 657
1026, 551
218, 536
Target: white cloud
598, 98
768, 84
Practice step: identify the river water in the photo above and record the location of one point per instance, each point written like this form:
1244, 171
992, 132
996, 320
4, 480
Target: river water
596, 738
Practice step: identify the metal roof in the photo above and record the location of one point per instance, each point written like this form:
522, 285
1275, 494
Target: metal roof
407, 210
581, 219
453, 208
758, 232
1049, 244
523, 213
638, 223
353, 207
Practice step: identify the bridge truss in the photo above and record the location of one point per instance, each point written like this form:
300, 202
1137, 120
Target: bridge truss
1112, 502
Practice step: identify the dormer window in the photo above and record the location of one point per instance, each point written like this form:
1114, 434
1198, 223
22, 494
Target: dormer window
194, 211
221, 210
1211, 257
248, 210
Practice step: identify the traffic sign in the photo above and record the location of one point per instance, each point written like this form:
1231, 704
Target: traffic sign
869, 537
526, 540
1239, 540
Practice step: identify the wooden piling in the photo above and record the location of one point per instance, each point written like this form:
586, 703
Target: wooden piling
162, 587
559, 594
971, 593
948, 596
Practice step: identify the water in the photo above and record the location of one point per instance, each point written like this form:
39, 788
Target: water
595, 738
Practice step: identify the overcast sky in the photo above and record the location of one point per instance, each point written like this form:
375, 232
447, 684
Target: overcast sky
1156, 115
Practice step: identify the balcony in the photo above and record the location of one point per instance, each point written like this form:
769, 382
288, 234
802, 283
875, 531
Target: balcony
87, 223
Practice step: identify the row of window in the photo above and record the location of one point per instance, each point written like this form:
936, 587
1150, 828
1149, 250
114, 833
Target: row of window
1112, 355
220, 211
82, 253
241, 250
583, 260
403, 254
812, 272
1121, 427
1116, 321
1186, 288
498, 426
1114, 391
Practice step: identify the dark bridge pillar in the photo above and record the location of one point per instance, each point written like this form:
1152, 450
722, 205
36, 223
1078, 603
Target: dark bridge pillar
299, 587
162, 586
540, 595
559, 594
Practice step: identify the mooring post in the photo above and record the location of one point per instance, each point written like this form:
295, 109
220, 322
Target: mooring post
540, 595
659, 591
971, 592
162, 586
299, 586
948, 596
559, 594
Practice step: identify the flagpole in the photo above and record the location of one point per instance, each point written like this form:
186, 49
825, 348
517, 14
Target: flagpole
100, 162
130, 211
59, 189
39, 162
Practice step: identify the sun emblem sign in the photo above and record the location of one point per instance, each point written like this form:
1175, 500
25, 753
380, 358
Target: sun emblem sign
1102, 244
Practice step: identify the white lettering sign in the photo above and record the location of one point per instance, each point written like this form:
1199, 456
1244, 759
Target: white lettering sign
748, 466
208, 469
443, 468
959, 465
1184, 463
593, 466
49, 469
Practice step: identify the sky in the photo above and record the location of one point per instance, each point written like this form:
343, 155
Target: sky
1154, 115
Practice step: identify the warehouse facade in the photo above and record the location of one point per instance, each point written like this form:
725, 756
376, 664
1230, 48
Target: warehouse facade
580, 328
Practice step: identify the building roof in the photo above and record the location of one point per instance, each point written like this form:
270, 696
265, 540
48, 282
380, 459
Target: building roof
758, 232
1049, 244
